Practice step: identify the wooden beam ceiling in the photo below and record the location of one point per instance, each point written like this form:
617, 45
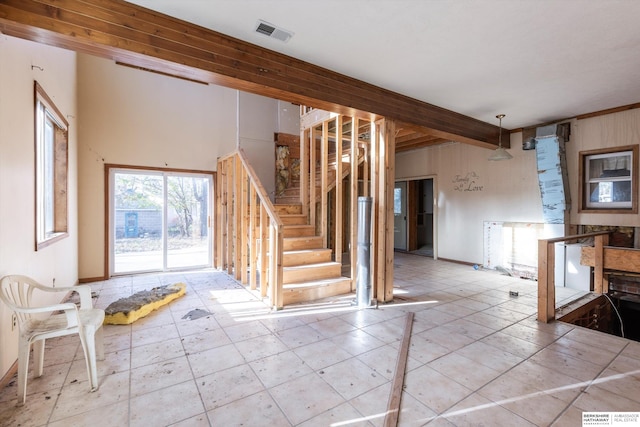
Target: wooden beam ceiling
143, 38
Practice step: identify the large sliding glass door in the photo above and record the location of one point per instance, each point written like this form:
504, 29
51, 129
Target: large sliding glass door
159, 220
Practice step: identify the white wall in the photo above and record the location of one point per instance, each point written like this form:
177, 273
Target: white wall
288, 118
133, 117
17, 211
470, 189
257, 124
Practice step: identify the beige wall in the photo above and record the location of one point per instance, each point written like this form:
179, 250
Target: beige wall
469, 190
510, 189
133, 117
57, 75
611, 130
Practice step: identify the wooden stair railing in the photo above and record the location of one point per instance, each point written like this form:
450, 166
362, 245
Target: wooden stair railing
250, 232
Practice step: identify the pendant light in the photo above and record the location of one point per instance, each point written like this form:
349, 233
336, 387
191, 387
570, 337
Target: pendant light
500, 153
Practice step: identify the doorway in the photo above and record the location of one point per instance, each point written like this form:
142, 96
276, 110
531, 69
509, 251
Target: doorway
414, 226
159, 220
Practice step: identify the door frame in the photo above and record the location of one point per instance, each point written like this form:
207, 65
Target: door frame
108, 218
434, 179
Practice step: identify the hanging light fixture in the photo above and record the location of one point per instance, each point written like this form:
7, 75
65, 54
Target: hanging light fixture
500, 153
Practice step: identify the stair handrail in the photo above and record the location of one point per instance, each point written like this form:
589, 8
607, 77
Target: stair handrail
260, 191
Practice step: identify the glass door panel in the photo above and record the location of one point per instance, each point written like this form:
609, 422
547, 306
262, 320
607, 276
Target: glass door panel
138, 222
160, 221
188, 243
400, 215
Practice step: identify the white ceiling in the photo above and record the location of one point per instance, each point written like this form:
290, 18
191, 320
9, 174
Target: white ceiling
534, 60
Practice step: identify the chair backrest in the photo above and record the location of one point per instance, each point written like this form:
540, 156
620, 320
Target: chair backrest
16, 291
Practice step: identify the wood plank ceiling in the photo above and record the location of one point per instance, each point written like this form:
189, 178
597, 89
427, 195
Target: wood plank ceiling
143, 38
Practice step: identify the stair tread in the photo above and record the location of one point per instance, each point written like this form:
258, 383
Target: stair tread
315, 283
315, 264
305, 251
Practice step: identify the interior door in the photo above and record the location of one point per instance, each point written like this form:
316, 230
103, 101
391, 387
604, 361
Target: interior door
400, 215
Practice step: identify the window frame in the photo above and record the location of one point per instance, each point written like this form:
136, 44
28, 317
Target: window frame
585, 205
51, 170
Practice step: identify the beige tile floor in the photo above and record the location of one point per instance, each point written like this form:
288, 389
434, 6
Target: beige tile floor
477, 357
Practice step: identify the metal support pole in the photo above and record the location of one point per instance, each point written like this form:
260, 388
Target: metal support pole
363, 262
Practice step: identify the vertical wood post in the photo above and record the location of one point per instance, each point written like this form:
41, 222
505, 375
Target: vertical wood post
324, 166
253, 238
338, 204
312, 178
220, 173
278, 298
264, 239
229, 215
389, 143
546, 281
599, 285
237, 217
244, 221
353, 221
304, 170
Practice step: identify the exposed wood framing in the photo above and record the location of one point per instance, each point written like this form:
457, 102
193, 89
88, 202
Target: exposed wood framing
613, 258
324, 170
143, 38
353, 220
253, 238
338, 198
239, 206
546, 271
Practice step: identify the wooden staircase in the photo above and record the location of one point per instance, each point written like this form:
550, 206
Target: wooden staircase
309, 273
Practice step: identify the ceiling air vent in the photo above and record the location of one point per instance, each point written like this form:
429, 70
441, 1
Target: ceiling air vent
272, 31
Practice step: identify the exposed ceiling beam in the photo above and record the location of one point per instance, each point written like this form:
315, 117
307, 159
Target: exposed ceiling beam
140, 37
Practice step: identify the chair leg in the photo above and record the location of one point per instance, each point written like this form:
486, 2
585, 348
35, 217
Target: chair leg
88, 340
100, 343
23, 369
38, 357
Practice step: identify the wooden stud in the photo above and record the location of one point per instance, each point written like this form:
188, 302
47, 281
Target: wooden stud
244, 223
598, 270
324, 165
546, 281
312, 178
389, 183
230, 228
237, 218
253, 238
338, 192
264, 240
353, 222
278, 298
304, 170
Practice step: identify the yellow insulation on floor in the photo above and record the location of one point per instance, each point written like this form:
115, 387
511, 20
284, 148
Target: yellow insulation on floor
127, 310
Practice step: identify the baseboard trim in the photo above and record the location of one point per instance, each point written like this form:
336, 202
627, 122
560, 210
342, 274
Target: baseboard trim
92, 279
6, 379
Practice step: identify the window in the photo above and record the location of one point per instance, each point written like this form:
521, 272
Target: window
609, 178
51, 147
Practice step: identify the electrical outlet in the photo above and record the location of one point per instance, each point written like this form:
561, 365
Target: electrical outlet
14, 321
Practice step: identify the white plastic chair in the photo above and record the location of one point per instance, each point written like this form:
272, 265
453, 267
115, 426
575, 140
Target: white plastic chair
35, 327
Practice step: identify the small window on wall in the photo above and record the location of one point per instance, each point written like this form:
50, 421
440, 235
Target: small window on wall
609, 179
51, 169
